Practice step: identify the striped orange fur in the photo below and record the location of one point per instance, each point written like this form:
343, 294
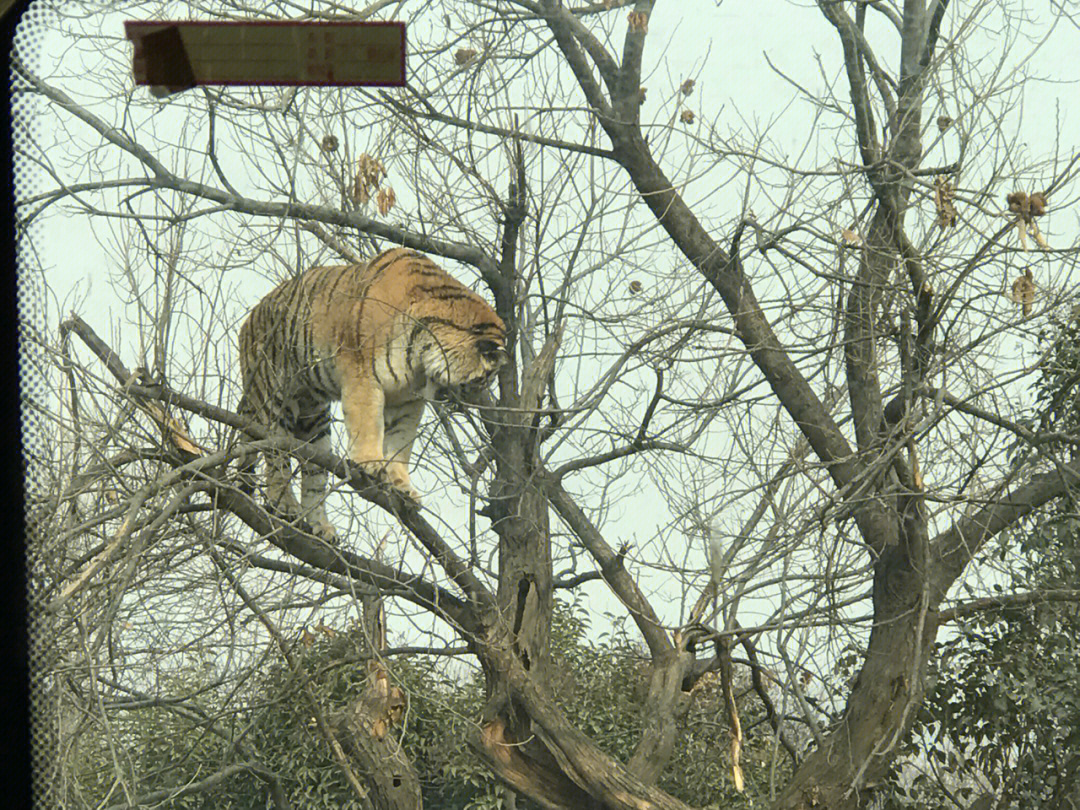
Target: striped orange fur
383, 337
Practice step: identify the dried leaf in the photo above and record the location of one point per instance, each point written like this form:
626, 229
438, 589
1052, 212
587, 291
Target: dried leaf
359, 191
1026, 209
687, 116
850, 236
372, 169
687, 87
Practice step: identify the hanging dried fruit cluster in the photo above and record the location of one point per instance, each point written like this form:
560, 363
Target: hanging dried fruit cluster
686, 88
944, 194
850, 236
1027, 207
369, 174
463, 56
385, 200
1023, 292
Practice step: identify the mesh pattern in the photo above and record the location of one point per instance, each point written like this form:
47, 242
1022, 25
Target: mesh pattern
32, 328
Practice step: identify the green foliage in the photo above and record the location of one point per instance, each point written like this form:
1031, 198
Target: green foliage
602, 684
1005, 716
1059, 383
148, 748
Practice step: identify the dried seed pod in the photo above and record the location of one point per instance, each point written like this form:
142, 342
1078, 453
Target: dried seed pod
385, 200
943, 201
1019, 204
1023, 291
463, 56
359, 191
850, 236
369, 173
1037, 202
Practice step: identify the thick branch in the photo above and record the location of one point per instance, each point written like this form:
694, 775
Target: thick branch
165, 179
855, 49
626, 98
429, 113
1005, 601
952, 550
509, 761
611, 567
563, 30
297, 542
1025, 433
603, 777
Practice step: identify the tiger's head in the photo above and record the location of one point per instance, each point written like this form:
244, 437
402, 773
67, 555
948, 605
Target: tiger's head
460, 358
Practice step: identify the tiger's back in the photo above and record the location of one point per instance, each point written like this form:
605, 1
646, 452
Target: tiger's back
382, 337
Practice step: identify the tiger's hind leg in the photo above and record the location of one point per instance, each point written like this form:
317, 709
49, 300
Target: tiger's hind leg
279, 473
279, 478
247, 480
313, 478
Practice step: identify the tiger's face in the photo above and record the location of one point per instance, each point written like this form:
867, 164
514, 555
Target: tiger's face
460, 362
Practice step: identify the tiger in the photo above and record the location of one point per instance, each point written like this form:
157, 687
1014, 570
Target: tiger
383, 337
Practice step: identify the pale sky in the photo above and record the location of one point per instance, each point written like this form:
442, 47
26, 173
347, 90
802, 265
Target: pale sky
726, 47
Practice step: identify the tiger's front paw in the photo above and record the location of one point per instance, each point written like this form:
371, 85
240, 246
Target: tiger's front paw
399, 480
392, 474
325, 531
373, 468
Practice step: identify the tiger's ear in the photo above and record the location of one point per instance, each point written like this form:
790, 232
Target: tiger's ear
492, 352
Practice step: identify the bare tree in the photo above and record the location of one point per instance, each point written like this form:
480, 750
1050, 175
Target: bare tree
759, 396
